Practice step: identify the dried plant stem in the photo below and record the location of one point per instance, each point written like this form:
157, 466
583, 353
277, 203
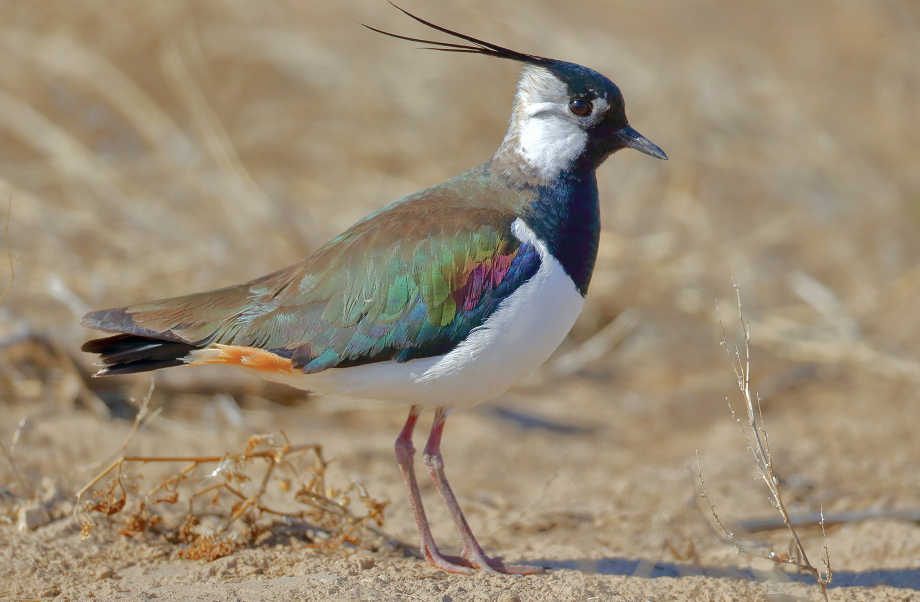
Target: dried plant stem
326, 511
759, 444
9, 253
12, 460
273, 455
712, 507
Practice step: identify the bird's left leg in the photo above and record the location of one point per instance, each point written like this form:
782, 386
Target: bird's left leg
472, 551
405, 455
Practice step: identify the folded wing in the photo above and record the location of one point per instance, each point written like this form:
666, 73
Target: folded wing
408, 282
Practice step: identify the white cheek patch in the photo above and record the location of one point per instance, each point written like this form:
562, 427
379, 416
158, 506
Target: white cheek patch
543, 132
550, 143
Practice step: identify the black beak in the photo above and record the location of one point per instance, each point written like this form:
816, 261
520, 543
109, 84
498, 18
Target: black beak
634, 140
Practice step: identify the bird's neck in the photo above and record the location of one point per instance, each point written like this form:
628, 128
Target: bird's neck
563, 212
566, 215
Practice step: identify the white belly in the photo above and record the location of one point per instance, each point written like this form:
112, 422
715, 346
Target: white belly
523, 332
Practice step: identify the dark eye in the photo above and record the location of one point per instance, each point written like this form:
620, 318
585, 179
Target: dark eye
580, 107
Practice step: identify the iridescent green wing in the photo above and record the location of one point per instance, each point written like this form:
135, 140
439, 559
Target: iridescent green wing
409, 282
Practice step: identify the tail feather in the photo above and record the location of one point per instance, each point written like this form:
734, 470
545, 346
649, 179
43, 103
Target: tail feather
130, 353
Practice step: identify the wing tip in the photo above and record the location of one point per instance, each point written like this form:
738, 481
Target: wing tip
120, 321
110, 320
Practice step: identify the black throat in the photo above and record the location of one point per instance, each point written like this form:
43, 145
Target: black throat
566, 216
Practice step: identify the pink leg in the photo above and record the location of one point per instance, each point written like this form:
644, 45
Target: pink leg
405, 455
472, 551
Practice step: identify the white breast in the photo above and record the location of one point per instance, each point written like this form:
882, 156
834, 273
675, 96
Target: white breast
523, 332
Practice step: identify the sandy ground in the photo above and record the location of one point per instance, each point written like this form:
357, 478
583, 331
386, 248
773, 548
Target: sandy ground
570, 476
155, 148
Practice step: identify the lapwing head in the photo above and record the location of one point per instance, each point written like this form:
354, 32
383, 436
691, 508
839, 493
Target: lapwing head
565, 116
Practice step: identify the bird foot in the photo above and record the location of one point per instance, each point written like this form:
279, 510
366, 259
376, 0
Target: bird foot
478, 559
470, 561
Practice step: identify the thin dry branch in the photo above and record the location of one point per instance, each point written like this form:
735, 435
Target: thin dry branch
326, 512
759, 444
600, 343
9, 253
730, 536
10, 454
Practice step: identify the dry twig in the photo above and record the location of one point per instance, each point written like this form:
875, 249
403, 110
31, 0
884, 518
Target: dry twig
326, 511
9, 253
759, 444
10, 454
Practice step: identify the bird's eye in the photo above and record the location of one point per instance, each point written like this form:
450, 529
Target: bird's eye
580, 107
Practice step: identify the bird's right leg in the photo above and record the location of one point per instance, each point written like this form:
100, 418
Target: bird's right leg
405, 456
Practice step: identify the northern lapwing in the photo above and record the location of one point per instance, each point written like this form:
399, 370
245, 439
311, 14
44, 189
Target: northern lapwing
442, 299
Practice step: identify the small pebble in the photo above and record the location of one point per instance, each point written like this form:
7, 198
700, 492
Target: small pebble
366, 563
105, 574
32, 516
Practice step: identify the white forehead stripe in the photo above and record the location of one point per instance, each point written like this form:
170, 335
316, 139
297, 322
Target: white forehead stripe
601, 105
538, 84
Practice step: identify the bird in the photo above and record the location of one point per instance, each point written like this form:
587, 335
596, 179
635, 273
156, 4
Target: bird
441, 300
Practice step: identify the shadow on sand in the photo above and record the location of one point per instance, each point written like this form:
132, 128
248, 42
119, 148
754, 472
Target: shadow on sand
903, 578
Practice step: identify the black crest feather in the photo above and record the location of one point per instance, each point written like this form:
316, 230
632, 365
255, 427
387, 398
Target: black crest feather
477, 47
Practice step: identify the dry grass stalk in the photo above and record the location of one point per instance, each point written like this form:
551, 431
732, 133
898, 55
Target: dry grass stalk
10, 454
759, 444
9, 253
326, 512
594, 348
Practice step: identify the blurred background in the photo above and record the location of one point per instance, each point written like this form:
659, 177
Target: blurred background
152, 149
